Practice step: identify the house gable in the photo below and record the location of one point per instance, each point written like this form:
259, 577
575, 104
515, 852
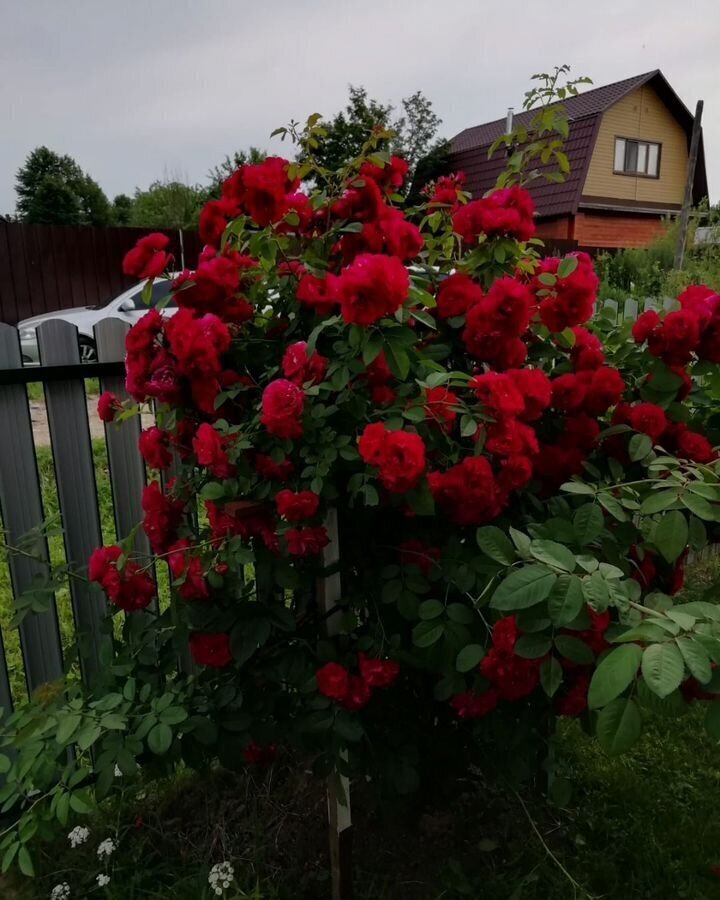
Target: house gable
641, 115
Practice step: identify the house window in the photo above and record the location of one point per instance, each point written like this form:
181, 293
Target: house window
637, 158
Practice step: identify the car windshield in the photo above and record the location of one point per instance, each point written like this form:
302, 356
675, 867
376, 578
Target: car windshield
160, 290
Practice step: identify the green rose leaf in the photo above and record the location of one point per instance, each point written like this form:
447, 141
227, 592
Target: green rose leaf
469, 658
553, 554
524, 587
615, 672
671, 535
618, 726
496, 544
662, 668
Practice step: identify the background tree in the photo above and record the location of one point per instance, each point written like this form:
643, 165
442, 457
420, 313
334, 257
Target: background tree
54, 190
167, 204
415, 129
121, 210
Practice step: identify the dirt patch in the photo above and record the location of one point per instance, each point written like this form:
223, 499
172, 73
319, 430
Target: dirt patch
41, 430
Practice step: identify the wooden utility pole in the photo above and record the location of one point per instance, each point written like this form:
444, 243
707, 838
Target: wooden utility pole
338, 787
687, 200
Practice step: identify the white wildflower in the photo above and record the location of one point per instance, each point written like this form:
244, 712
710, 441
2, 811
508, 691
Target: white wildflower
60, 892
221, 877
103, 880
78, 835
117, 773
106, 848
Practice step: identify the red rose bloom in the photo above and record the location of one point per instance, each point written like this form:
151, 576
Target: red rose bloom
571, 299
162, 517
148, 258
474, 706
264, 188
498, 394
536, 390
371, 443
108, 406
128, 588
441, 407
445, 190
507, 212
358, 694
266, 467
399, 455
456, 294
390, 176
415, 553
282, 407
467, 492
649, 419
573, 702
294, 507
568, 393
371, 287
515, 472
587, 351
255, 755
188, 568
209, 448
695, 447
378, 673
646, 325
298, 367
211, 650
320, 294
605, 389
308, 541
333, 681
198, 345
154, 446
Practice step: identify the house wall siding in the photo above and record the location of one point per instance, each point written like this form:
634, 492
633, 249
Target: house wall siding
615, 230
561, 227
641, 115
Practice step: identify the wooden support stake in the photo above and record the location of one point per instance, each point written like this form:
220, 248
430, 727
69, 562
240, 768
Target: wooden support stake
687, 201
328, 593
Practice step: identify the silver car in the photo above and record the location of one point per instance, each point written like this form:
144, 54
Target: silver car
128, 306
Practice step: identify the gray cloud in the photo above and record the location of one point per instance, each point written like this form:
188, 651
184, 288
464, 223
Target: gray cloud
137, 89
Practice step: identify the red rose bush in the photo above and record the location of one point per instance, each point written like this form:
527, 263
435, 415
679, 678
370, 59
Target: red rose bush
417, 406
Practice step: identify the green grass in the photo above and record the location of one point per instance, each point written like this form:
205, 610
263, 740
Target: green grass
640, 827
36, 395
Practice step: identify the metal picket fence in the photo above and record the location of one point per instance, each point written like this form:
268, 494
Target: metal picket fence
620, 311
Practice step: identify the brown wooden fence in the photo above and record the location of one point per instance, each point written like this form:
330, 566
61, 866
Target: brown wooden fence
48, 267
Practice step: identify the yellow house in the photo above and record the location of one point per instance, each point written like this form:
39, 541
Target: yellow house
628, 151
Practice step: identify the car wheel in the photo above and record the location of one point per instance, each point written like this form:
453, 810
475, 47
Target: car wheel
88, 350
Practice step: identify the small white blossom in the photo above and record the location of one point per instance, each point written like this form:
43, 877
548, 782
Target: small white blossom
78, 835
60, 892
221, 877
106, 848
103, 880
117, 773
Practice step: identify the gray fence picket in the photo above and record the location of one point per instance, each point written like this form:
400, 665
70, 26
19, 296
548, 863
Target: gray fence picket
630, 310
669, 303
127, 470
22, 510
75, 477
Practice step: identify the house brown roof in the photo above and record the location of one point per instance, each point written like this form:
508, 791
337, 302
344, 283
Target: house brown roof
469, 148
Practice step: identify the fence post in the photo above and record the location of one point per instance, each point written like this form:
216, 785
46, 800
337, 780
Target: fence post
75, 477
328, 591
22, 510
127, 470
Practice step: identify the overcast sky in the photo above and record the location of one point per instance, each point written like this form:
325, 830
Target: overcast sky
137, 89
